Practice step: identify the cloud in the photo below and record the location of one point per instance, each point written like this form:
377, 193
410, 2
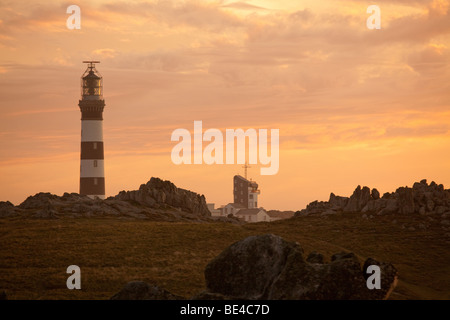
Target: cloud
321, 77
22, 18
433, 59
240, 5
104, 53
417, 131
195, 14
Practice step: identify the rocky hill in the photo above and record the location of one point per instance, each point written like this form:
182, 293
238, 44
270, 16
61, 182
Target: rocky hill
156, 200
422, 199
429, 202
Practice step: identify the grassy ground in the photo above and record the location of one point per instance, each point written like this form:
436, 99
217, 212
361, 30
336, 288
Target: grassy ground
34, 254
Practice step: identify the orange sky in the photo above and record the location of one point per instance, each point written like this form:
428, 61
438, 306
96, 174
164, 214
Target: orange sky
353, 106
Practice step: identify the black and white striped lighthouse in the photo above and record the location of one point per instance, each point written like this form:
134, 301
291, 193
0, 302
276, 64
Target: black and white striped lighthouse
92, 172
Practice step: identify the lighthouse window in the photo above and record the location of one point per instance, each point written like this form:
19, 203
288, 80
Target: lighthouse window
95, 164
95, 145
95, 181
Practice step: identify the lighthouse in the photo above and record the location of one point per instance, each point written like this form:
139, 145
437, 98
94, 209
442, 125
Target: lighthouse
92, 172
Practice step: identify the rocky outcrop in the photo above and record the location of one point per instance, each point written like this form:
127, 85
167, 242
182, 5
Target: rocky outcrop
315, 257
7, 209
246, 269
358, 200
156, 200
162, 194
139, 290
421, 199
268, 267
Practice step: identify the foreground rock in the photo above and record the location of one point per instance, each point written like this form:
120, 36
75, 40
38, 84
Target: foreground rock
268, 267
156, 200
421, 199
139, 290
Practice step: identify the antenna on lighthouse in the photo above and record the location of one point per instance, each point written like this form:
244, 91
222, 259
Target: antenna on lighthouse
246, 166
91, 64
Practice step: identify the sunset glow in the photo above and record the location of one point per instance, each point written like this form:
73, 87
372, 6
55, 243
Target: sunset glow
352, 105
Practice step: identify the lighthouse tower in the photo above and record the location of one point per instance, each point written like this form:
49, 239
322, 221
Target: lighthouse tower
92, 173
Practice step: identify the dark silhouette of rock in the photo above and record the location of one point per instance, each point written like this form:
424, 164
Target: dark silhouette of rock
341, 279
156, 200
246, 269
337, 201
39, 200
6, 204
315, 257
139, 290
421, 199
268, 267
353, 202
390, 206
358, 200
388, 278
375, 194
405, 200
157, 192
7, 209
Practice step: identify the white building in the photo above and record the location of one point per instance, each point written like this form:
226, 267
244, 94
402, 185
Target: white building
232, 208
215, 212
253, 215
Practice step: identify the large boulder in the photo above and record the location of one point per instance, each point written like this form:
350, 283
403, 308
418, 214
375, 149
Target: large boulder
388, 278
246, 269
268, 267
